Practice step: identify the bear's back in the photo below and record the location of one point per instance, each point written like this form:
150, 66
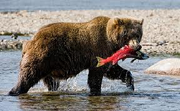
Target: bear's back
64, 28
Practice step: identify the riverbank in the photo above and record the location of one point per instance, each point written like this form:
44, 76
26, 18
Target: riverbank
161, 27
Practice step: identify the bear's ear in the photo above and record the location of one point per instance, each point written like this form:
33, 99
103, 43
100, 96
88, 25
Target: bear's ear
117, 21
139, 21
142, 21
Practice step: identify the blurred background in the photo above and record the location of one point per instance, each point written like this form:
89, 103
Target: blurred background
54, 5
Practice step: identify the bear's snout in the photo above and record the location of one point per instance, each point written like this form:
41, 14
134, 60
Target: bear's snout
134, 43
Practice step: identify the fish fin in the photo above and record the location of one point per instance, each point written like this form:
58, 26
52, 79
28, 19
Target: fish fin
114, 61
100, 63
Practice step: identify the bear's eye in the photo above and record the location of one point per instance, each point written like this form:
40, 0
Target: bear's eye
138, 37
124, 33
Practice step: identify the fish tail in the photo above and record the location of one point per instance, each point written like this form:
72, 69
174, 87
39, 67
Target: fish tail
100, 62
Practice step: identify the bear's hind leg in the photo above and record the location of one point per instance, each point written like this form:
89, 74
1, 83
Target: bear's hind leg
27, 78
51, 83
31, 71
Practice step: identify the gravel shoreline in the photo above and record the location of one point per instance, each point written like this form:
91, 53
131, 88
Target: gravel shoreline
161, 27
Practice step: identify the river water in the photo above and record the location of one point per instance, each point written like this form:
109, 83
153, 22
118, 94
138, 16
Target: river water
53, 5
152, 92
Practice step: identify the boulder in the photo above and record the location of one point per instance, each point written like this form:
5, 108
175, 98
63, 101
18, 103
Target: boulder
170, 66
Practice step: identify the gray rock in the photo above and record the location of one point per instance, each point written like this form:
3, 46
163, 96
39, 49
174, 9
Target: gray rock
169, 66
3, 47
9, 44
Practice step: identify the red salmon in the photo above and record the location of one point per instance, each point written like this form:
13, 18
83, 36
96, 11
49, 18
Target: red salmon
122, 53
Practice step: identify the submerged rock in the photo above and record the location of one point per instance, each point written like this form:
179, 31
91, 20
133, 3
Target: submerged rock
169, 66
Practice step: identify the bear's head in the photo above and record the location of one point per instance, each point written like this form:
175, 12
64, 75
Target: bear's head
125, 31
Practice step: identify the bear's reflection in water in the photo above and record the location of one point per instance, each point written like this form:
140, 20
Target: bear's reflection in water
76, 102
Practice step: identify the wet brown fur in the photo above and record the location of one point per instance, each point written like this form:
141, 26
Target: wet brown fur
62, 50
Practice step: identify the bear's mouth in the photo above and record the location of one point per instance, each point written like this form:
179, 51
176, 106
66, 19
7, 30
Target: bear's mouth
136, 54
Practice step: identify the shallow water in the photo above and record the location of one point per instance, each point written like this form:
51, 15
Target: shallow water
152, 92
53, 5
3, 37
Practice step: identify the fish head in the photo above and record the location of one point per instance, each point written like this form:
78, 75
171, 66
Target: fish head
129, 52
138, 55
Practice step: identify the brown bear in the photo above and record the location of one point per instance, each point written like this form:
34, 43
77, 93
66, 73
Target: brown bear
62, 50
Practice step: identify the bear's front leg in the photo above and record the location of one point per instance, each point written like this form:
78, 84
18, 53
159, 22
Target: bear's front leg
95, 80
117, 72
